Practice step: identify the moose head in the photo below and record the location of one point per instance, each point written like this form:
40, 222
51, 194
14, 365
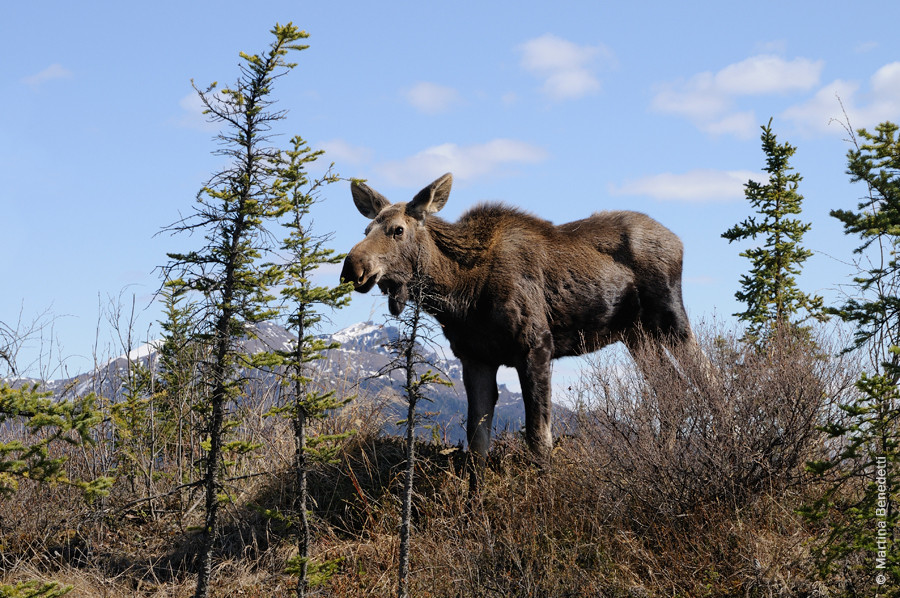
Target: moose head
388, 256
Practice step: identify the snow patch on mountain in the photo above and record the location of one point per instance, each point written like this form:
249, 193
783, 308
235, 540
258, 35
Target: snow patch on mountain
355, 332
142, 352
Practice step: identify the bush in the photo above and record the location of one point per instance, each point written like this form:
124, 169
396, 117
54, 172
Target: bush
675, 438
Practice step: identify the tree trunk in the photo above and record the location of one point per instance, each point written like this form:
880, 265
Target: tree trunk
212, 504
303, 500
213, 458
406, 513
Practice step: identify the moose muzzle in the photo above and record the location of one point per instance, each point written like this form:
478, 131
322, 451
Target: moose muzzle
358, 271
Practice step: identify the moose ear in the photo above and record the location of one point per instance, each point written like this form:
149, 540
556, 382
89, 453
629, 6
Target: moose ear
430, 199
368, 201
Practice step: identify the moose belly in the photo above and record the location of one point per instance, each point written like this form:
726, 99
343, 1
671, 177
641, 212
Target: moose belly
581, 313
594, 319
484, 341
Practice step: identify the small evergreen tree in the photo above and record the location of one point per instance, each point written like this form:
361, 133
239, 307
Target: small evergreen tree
304, 301
132, 410
410, 360
43, 422
860, 506
770, 289
133, 428
874, 309
232, 211
178, 388
46, 421
34, 589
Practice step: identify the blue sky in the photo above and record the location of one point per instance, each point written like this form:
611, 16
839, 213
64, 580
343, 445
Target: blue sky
562, 108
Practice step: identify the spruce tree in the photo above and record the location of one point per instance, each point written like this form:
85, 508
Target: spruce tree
415, 331
42, 421
304, 254
232, 212
133, 426
874, 306
46, 421
177, 385
770, 289
860, 505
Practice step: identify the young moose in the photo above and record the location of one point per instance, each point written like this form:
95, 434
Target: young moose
511, 289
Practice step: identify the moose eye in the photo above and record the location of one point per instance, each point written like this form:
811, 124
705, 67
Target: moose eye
398, 232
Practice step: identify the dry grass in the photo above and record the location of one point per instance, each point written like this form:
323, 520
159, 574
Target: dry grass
671, 483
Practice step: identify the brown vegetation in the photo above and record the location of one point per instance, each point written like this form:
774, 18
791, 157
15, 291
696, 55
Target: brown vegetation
666, 482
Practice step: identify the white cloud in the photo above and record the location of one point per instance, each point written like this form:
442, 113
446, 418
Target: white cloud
708, 99
880, 103
864, 47
571, 84
694, 186
192, 116
509, 98
695, 99
886, 81
816, 114
767, 74
51, 73
431, 98
566, 68
775, 46
465, 162
338, 150
740, 124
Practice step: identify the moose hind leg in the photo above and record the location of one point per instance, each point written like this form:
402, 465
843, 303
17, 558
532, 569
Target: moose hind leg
667, 324
534, 376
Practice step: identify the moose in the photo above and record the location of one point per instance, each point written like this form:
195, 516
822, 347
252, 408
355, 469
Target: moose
511, 289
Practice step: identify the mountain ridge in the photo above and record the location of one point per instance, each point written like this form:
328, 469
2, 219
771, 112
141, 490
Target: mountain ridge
358, 366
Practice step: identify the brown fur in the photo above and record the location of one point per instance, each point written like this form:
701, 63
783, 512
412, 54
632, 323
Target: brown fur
511, 289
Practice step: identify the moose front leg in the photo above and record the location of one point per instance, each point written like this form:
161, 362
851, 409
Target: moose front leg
534, 376
481, 391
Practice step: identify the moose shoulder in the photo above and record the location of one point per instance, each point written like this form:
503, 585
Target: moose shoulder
511, 289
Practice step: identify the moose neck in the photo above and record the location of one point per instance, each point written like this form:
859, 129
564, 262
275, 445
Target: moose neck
452, 254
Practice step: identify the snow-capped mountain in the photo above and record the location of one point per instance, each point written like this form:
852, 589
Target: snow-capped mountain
363, 357
358, 367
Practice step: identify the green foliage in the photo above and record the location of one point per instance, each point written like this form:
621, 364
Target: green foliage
227, 273
34, 589
47, 421
315, 573
133, 424
873, 308
36, 429
770, 289
178, 390
409, 358
860, 505
233, 207
303, 300
303, 303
